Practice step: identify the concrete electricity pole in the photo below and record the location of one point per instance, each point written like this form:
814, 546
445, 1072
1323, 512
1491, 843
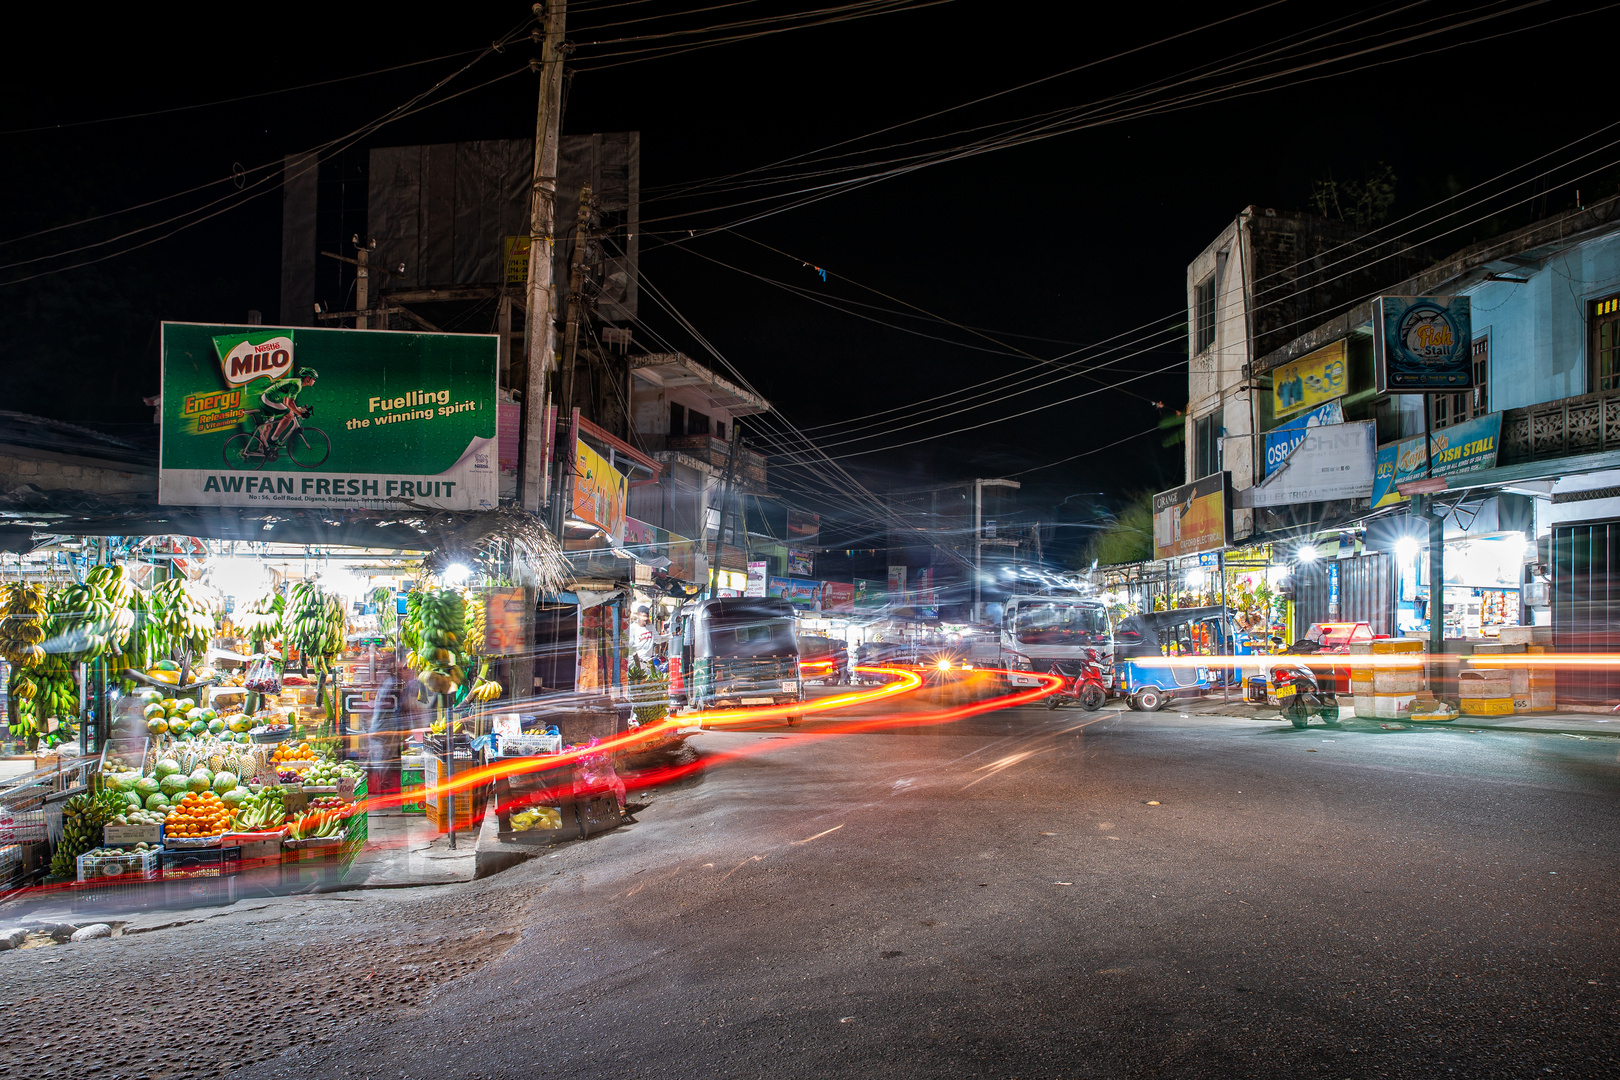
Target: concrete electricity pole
576, 305
540, 334
978, 540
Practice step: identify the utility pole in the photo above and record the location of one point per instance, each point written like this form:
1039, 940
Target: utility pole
720, 519
576, 283
540, 335
362, 283
978, 540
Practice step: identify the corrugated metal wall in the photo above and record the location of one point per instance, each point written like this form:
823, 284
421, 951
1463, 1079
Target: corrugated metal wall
1366, 592
1586, 594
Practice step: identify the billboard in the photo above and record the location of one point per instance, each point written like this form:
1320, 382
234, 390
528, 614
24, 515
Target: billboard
803, 527
1192, 518
838, 596
1422, 344
1309, 381
299, 418
800, 562
1461, 448
599, 491
758, 575
1281, 440
870, 595
1331, 461
802, 594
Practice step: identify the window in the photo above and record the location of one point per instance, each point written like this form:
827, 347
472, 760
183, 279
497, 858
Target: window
1204, 313
720, 430
1605, 345
1450, 409
697, 423
677, 419
1206, 446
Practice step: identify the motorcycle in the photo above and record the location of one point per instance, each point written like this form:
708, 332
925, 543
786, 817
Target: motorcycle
1301, 695
1082, 684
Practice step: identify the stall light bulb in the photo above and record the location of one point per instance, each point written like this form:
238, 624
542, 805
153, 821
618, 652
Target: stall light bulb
1307, 553
1406, 547
456, 573
1195, 578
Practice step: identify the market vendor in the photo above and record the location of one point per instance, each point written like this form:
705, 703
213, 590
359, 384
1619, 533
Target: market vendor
644, 638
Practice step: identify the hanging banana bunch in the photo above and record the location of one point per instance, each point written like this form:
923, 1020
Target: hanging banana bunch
22, 622
261, 618
23, 688
472, 635
182, 615
437, 650
117, 587
80, 623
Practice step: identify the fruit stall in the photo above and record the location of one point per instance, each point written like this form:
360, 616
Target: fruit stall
184, 726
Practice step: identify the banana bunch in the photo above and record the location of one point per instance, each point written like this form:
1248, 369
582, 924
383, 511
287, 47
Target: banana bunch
261, 618
486, 690
22, 622
320, 823
313, 622
118, 588
80, 622
435, 638
22, 689
180, 616
82, 819
472, 635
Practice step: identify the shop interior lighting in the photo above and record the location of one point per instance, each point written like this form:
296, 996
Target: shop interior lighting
1195, 577
1306, 553
239, 577
456, 573
1406, 548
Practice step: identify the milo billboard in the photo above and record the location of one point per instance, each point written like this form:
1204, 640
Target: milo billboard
280, 416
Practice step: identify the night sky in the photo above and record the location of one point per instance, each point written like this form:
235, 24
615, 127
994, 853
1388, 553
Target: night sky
1043, 248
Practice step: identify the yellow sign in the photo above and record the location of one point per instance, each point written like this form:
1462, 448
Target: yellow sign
1310, 381
599, 491
515, 256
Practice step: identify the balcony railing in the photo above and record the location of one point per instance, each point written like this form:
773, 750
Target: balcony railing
1585, 424
706, 448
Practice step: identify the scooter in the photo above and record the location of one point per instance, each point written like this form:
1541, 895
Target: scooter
1082, 685
1300, 695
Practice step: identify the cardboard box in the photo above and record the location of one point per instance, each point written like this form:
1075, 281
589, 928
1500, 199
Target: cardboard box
1397, 645
1392, 706
1387, 681
1534, 702
1487, 706
1526, 635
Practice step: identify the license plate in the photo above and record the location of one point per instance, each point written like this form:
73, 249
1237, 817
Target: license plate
791, 686
1285, 691
756, 701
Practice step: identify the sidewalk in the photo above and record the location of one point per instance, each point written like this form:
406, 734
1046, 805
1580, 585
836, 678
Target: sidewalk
1581, 724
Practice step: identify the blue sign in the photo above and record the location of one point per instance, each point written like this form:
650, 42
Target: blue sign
1423, 344
1281, 440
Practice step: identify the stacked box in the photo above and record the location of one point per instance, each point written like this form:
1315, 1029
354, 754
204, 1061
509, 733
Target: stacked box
1485, 692
1526, 635
1540, 684
1390, 680
468, 805
410, 785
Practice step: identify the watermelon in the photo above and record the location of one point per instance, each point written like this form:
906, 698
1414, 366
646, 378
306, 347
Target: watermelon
147, 786
166, 767
201, 780
234, 797
157, 800
134, 799
223, 782
173, 785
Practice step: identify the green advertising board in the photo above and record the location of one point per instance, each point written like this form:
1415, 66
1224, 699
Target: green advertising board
302, 418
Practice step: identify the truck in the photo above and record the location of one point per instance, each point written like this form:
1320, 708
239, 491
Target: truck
1037, 631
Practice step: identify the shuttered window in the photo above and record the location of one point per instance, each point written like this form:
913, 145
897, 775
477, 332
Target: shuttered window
1606, 345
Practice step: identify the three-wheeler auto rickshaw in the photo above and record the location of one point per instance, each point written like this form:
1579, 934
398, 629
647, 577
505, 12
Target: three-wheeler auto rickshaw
1154, 655
740, 651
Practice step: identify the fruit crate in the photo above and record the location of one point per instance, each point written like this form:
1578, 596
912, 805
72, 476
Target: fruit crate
201, 862
135, 865
410, 784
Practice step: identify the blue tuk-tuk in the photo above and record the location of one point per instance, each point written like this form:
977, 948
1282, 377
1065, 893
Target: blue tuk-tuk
1150, 651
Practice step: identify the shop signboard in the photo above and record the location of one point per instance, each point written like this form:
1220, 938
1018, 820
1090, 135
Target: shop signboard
683, 559
758, 575
1310, 381
800, 592
897, 584
803, 527
870, 595
924, 604
396, 419
1331, 461
1461, 448
1422, 344
1192, 518
503, 621
838, 597
800, 562
1281, 440
599, 491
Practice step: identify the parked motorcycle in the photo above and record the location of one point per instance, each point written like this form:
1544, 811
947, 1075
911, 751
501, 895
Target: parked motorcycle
1301, 695
1082, 685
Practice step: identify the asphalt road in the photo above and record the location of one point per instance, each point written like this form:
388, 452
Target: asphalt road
1035, 894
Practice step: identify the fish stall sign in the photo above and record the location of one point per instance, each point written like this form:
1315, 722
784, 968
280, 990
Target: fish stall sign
1422, 344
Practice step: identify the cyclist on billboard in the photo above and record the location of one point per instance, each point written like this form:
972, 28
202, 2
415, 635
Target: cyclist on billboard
279, 401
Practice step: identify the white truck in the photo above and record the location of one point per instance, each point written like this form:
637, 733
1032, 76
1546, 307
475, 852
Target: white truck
1037, 630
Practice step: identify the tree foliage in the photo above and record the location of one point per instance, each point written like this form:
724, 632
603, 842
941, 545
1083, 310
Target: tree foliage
1129, 537
1362, 203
